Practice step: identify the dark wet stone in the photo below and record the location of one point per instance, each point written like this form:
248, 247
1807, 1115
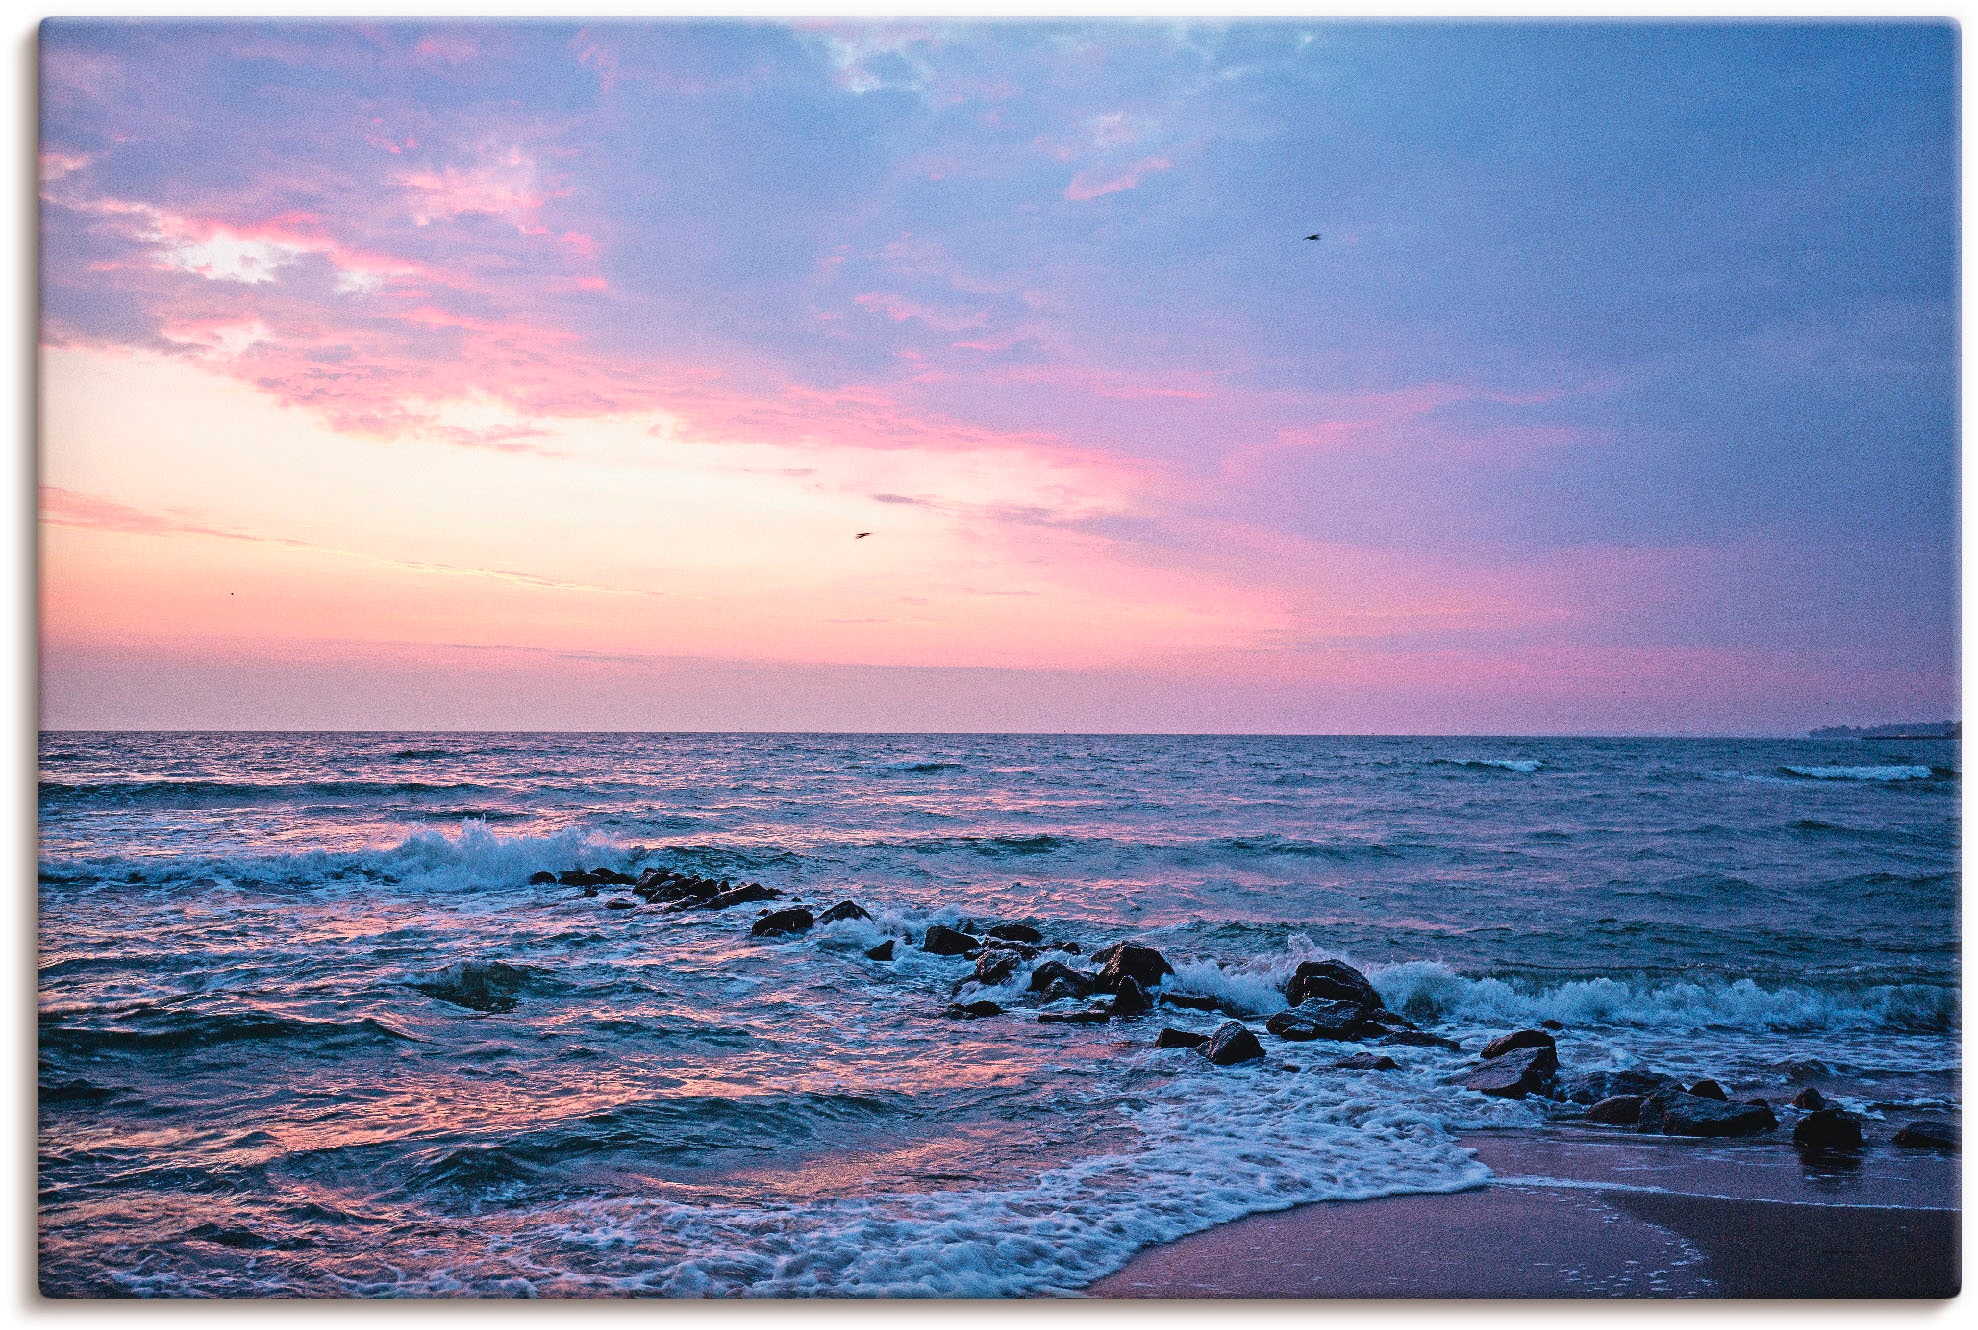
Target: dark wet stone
1930, 1134
1129, 960
620, 903
1674, 1112
995, 966
973, 1011
1173, 1038
1317, 1018
1057, 972
1505, 1043
577, 877
1016, 933
1368, 1062
1709, 1089
943, 941
1233, 1042
782, 923
1192, 1001
590, 893
609, 877
1383, 1020
1828, 1129
542, 879
1620, 1110
1071, 947
1131, 999
1551, 1025
1516, 1074
1809, 1098
882, 952
1593, 1086
477, 985
1419, 1039
1083, 1016
842, 910
1333, 980
1061, 989
743, 895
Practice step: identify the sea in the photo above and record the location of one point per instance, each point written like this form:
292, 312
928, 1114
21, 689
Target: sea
253, 1086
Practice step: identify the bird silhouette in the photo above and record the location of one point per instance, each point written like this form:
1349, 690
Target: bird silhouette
861, 535
1312, 237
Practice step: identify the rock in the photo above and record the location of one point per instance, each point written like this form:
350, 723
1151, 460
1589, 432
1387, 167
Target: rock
1192, 1001
1419, 1039
1593, 1086
882, 952
620, 903
1071, 947
543, 879
590, 893
1170, 1037
1809, 1098
1368, 1062
577, 877
1930, 1134
1673, 1111
1127, 960
1334, 980
611, 877
782, 923
973, 1011
943, 941
1230, 1044
1381, 1019
995, 966
1504, 1043
1620, 1110
476, 985
1083, 1016
754, 891
1551, 1025
842, 910
1317, 1018
1131, 999
1709, 1089
1516, 1074
1828, 1129
1016, 933
1057, 972
1062, 989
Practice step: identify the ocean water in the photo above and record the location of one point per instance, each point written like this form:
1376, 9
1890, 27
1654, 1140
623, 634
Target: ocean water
245, 1092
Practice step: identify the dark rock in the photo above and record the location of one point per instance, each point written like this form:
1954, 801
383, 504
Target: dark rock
842, 910
1083, 1016
1230, 1044
1173, 1038
1709, 1089
1420, 1039
1828, 1129
1516, 1074
1504, 1043
577, 877
1930, 1134
944, 941
973, 1011
543, 879
1620, 1110
477, 985
754, 891
782, 923
1071, 947
1317, 1018
620, 903
1675, 1112
1333, 980
1062, 989
1384, 1019
1057, 972
1593, 1086
1192, 1001
1368, 1062
590, 893
993, 967
610, 877
1809, 1098
1128, 960
1016, 933
882, 952
1551, 1025
1130, 999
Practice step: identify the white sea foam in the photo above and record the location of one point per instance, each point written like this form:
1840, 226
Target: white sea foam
1903, 772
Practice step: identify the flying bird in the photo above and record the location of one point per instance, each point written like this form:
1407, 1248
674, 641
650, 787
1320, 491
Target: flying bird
861, 535
1312, 237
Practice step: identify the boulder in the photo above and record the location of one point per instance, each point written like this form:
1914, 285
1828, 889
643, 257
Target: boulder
1620, 1110
1071, 947
842, 910
1130, 999
1419, 1039
1930, 1134
1170, 1037
782, 923
1809, 1099
577, 877
476, 985
1593, 1086
1016, 933
1673, 1111
1334, 980
611, 877
1828, 1129
882, 952
1230, 1044
1125, 960
1058, 973
1709, 1089
1063, 989
1192, 1001
972, 1011
995, 966
1516, 1074
1083, 1016
620, 903
1504, 1043
1551, 1025
754, 891
943, 941
1317, 1018
1368, 1062
590, 893
543, 879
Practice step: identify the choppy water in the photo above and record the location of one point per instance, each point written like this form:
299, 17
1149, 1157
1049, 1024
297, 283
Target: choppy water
244, 1093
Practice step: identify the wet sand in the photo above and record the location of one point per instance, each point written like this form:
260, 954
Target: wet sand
1581, 1214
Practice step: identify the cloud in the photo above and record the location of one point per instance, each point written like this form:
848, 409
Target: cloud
1095, 182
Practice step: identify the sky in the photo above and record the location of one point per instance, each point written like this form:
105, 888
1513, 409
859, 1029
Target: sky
512, 375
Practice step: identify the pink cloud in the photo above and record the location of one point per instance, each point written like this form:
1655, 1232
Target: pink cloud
1092, 183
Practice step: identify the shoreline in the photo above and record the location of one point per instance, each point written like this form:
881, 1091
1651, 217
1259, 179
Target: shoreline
1590, 1214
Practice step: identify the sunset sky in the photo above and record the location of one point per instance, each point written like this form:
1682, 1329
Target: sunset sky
524, 375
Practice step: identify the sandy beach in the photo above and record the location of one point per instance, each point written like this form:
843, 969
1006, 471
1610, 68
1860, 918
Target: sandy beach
1586, 1213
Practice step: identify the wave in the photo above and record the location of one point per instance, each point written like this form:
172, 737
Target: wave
1890, 773
922, 768
206, 792
153, 1031
1522, 766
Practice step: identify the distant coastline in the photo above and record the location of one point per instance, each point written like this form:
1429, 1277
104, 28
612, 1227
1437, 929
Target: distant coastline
1941, 729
